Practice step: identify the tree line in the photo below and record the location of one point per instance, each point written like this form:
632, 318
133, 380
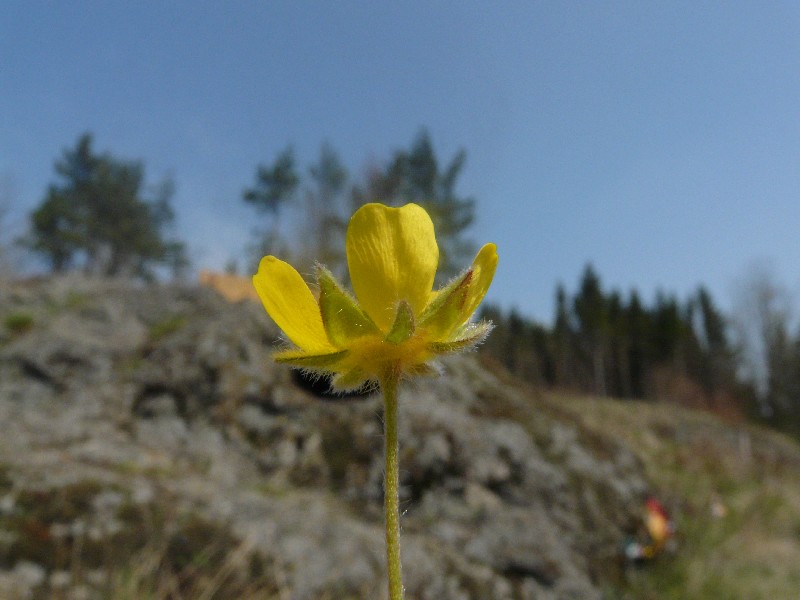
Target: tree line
100, 215
325, 195
606, 343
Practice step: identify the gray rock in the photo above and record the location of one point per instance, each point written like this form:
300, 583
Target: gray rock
164, 399
29, 574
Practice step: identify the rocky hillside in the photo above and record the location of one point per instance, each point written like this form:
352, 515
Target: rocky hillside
151, 449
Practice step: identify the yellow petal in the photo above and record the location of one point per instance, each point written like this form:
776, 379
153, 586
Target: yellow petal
392, 256
291, 305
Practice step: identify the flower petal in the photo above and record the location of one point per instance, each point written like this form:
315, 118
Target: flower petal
291, 305
392, 255
454, 304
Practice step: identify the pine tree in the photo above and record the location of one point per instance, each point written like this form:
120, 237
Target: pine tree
97, 216
563, 341
719, 369
591, 312
639, 327
275, 186
324, 211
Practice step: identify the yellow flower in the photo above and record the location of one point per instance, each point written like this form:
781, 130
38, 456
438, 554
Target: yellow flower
396, 323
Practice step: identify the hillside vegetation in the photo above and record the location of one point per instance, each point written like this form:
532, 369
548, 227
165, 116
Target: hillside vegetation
734, 490
151, 449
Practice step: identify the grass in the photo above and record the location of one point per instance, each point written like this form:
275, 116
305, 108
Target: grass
734, 490
152, 554
199, 561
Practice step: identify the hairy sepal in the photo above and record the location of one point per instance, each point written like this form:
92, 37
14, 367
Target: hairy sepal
403, 327
470, 336
342, 317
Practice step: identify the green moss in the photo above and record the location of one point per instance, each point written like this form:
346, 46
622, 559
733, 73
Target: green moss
167, 326
272, 490
75, 299
18, 323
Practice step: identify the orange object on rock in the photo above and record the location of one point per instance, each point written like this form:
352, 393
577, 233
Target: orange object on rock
659, 525
232, 287
659, 530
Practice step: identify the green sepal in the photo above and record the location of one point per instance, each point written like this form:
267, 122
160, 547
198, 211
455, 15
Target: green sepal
403, 327
297, 358
470, 336
446, 310
342, 317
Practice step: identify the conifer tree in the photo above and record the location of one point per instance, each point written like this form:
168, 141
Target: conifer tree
591, 314
719, 369
639, 327
98, 216
563, 341
275, 186
325, 207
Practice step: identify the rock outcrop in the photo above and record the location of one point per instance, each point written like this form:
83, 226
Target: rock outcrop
149, 421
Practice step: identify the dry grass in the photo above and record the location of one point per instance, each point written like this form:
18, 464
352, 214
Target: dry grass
143, 551
149, 577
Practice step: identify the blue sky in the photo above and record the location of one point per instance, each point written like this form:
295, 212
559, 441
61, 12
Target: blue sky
658, 141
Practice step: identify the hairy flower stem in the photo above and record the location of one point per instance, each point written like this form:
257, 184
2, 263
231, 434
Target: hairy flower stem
389, 382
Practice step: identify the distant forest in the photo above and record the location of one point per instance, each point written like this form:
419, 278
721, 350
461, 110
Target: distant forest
609, 344
101, 216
